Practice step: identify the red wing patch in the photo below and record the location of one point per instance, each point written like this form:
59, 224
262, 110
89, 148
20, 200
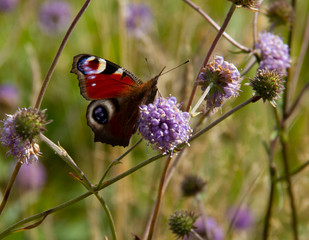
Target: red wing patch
100, 78
99, 86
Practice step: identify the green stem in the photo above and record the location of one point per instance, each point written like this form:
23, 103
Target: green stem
284, 152
9, 186
107, 183
83, 179
116, 161
226, 115
296, 171
272, 176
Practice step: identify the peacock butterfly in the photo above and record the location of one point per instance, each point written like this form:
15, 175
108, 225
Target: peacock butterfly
115, 95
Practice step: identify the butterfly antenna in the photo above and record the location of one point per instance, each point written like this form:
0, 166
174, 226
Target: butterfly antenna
174, 68
146, 59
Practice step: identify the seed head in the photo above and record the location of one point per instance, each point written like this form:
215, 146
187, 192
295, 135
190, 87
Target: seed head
268, 85
192, 185
181, 223
281, 13
251, 4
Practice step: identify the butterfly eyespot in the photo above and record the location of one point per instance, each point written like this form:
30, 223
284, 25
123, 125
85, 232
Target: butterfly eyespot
100, 115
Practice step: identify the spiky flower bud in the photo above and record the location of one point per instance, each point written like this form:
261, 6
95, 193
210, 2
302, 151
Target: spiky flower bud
268, 85
181, 223
281, 13
19, 131
29, 122
251, 4
192, 185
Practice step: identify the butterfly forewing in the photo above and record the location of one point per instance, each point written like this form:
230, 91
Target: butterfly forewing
100, 78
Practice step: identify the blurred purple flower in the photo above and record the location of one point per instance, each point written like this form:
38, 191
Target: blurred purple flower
9, 97
274, 53
241, 218
54, 17
31, 177
138, 18
224, 79
163, 124
8, 5
214, 231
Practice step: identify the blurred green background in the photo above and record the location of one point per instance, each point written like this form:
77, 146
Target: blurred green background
231, 157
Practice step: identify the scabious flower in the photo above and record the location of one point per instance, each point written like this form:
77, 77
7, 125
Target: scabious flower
281, 13
163, 124
274, 53
18, 133
268, 84
223, 78
54, 16
9, 98
213, 230
251, 4
138, 19
31, 177
192, 185
8, 5
181, 223
241, 218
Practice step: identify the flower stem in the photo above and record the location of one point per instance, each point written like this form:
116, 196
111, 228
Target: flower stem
226, 115
286, 166
14, 228
199, 102
62, 45
9, 186
296, 171
159, 198
211, 49
83, 179
272, 173
116, 161
216, 26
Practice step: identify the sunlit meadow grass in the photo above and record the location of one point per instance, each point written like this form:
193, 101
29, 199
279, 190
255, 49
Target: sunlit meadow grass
232, 157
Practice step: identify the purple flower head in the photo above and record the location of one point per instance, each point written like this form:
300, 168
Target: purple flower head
213, 230
163, 124
240, 218
31, 177
138, 18
274, 53
8, 5
9, 98
54, 16
223, 79
18, 132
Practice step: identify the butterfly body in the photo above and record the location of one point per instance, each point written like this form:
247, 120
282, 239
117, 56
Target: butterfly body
115, 95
